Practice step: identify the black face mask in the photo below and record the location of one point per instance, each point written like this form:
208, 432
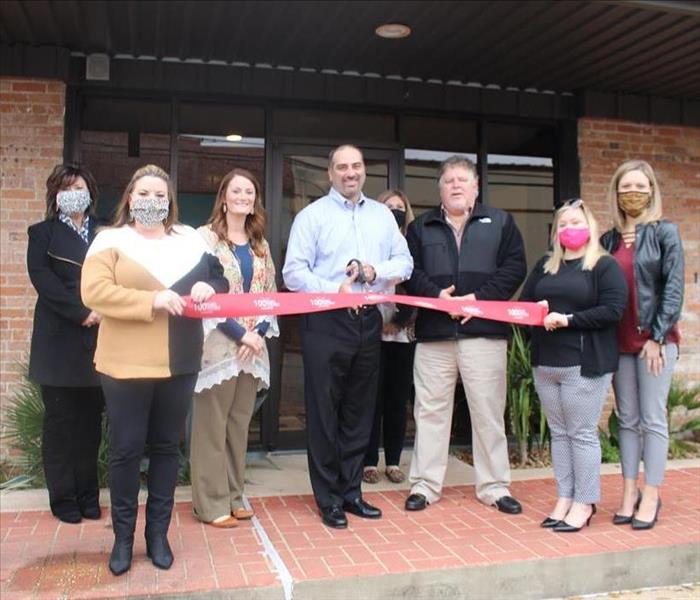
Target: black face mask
400, 216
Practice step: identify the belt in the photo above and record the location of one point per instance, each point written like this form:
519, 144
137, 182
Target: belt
361, 311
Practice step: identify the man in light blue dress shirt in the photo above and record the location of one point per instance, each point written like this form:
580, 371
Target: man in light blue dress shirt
341, 348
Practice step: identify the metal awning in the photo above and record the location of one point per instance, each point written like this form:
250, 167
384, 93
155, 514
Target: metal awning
635, 46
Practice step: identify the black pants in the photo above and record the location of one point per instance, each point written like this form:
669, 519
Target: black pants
72, 431
395, 384
153, 412
341, 368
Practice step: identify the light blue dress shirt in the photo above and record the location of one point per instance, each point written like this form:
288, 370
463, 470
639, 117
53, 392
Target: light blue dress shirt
330, 232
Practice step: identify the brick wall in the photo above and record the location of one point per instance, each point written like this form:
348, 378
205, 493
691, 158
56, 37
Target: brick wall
31, 143
674, 152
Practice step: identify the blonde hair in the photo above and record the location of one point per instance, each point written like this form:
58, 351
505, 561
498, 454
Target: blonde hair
122, 215
593, 248
385, 195
654, 211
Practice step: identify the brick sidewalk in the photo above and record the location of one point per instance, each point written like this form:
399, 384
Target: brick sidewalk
43, 558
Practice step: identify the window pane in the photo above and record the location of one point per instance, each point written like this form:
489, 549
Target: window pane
432, 133
113, 156
119, 136
524, 186
213, 140
334, 127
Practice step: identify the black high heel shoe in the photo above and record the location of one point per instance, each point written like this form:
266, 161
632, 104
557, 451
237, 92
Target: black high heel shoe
564, 527
624, 519
120, 559
637, 524
549, 523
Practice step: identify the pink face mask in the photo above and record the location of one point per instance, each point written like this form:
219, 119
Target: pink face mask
574, 238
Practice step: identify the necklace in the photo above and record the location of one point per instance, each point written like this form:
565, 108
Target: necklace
629, 237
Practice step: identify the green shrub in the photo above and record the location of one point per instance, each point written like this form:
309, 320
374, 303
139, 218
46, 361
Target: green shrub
681, 395
525, 415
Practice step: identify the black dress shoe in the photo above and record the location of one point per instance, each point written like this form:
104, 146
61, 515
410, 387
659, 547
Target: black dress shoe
70, 517
120, 559
333, 516
549, 522
509, 505
416, 502
564, 527
360, 508
158, 550
91, 512
637, 524
625, 519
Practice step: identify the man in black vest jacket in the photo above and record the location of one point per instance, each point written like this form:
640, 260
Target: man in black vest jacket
462, 251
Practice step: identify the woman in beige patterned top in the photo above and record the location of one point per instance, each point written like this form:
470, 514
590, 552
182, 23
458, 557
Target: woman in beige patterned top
235, 364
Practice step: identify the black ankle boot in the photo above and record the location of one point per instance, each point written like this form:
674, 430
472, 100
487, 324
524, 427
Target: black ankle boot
158, 550
120, 559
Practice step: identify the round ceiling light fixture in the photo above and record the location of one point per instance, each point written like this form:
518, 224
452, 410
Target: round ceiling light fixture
234, 137
393, 31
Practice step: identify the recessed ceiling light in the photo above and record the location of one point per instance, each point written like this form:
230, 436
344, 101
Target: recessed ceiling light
234, 137
393, 31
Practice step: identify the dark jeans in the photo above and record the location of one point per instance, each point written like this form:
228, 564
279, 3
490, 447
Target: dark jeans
395, 385
341, 368
72, 430
153, 412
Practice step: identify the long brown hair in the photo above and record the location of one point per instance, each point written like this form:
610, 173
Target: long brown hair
60, 179
254, 224
122, 215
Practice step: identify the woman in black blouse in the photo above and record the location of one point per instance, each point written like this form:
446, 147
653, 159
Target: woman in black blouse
574, 355
63, 344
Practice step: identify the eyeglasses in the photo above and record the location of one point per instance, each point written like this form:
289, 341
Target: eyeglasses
570, 203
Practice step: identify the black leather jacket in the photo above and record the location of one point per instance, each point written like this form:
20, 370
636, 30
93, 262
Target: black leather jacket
658, 275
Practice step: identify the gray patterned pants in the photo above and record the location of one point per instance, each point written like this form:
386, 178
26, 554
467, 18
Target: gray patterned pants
640, 398
572, 404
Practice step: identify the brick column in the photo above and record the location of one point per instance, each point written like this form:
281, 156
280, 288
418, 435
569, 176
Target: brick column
31, 143
674, 152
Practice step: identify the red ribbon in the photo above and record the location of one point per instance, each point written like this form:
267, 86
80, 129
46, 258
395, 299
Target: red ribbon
286, 303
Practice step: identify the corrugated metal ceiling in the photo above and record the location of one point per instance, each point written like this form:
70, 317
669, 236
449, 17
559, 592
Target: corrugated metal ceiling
641, 47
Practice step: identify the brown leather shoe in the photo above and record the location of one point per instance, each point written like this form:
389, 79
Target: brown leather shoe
228, 523
243, 514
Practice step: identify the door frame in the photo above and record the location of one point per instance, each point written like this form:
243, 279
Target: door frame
270, 435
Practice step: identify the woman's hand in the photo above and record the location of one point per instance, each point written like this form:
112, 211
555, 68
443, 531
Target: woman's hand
251, 345
92, 319
201, 292
653, 353
169, 301
555, 320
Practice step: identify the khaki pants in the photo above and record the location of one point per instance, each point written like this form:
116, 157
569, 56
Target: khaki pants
220, 420
481, 362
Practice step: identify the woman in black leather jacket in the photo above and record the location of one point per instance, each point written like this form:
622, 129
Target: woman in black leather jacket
650, 252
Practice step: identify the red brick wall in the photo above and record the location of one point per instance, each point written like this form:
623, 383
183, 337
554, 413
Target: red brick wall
674, 152
31, 143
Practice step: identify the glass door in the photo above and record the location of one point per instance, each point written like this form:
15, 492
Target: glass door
299, 175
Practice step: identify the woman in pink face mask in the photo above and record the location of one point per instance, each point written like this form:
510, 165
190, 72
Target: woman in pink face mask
574, 355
